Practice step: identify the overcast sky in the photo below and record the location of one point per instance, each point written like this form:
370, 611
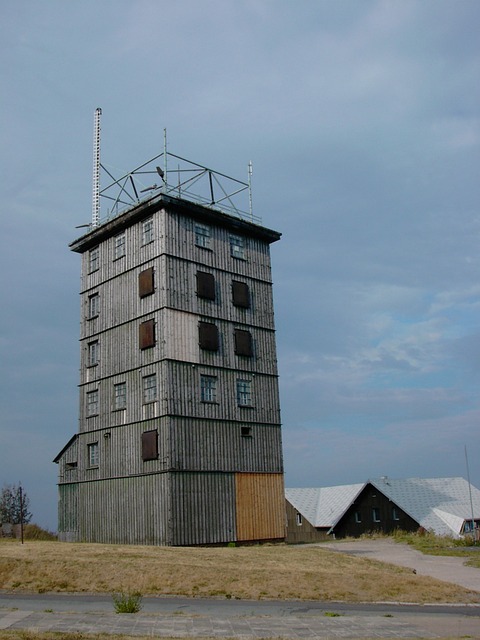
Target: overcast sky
362, 122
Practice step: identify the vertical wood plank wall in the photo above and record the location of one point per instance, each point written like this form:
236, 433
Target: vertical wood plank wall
219, 474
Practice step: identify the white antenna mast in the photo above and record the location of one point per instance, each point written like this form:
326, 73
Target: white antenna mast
250, 171
96, 168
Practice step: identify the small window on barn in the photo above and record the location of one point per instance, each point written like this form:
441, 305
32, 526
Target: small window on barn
120, 395
119, 246
93, 305
208, 388
146, 334
205, 285
93, 353
147, 231
243, 343
358, 517
92, 403
150, 388
150, 445
208, 336
246, 432
298, 519
240, 294
395, 513
93, 260
237, 247
202, 236
244, 393
146, 285
93, 454
376, 514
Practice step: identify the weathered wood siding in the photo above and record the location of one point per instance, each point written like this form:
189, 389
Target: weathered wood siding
203, 508
125, 510
303, 532
260, 506
190, 493
214, 445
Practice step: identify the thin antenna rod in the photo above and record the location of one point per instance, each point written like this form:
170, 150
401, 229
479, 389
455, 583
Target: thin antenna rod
165, 174
471, 502
96, 169
250, 171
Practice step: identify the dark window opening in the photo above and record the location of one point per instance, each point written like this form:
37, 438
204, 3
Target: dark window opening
205, 285
150, 445
240, 294
147, 334
243, 343
146, 285
208, 336
376, 514
246, 432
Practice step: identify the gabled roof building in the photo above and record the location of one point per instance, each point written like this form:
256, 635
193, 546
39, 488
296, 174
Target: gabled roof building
440, 505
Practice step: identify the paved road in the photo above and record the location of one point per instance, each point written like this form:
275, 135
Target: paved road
446, 568
234, 618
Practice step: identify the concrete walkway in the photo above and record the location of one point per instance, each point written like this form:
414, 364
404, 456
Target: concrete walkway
185, 617
195, 618
446, 568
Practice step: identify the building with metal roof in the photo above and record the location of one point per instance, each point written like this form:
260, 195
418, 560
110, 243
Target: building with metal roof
445, 506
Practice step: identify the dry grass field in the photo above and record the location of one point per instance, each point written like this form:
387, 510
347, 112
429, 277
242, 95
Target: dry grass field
257, 572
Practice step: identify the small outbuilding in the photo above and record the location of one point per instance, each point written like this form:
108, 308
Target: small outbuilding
445, 506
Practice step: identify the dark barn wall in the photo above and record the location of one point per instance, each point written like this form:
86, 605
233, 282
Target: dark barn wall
388, 520
304, 532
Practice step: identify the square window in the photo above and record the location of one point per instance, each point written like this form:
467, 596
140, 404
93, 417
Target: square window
93, 353
120, 398
147, 231
150, 445
244, 393
376, 514
246, 432
202, 236
150, 388
208, 387
240, 294
93, 305
119, 246
146, 334
237, 247
205, 285
93, 259
92, 403
93, 454
243, 343
208, 336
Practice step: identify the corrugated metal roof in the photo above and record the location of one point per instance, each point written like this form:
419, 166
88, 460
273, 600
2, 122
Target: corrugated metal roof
437, 504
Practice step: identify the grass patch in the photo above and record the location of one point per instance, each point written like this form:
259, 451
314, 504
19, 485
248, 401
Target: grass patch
258, 572
126, 602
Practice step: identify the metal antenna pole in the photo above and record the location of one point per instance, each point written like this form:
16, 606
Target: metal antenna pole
250, 171
471, 503
165, 174
96, 169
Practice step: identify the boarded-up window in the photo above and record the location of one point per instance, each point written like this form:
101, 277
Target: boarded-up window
241, 295
146, 283
150, 445
147, 334
243, 343
205, 285
208, 336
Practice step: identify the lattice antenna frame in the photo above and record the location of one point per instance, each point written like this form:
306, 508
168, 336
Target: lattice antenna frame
96, 169
188, 180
